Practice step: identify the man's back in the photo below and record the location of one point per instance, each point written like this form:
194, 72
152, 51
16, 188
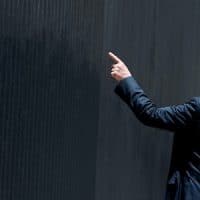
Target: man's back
184, 173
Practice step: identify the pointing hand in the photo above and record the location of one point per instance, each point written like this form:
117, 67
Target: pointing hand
119, 69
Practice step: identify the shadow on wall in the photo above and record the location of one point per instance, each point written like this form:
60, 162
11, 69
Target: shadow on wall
49, 118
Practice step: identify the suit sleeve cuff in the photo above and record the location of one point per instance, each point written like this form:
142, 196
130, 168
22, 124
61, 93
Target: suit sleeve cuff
127, 87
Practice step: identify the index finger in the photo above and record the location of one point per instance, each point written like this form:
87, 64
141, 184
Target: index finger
114, 58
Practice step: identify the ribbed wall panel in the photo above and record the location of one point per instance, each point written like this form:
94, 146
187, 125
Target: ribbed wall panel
49, 98
64, 134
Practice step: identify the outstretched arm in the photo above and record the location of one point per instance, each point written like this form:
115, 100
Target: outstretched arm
170, 118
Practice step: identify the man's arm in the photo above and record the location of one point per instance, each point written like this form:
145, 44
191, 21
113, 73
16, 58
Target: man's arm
170, 118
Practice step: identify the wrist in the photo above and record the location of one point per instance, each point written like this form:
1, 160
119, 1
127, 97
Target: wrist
124, 77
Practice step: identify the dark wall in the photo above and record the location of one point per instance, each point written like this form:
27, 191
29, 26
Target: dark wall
49, 98
64, 133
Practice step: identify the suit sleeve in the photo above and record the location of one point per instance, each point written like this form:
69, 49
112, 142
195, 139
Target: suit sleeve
169, 118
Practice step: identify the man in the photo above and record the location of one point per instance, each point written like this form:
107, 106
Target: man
183, 119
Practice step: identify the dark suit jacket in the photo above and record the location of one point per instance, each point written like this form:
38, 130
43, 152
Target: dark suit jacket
184, 120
